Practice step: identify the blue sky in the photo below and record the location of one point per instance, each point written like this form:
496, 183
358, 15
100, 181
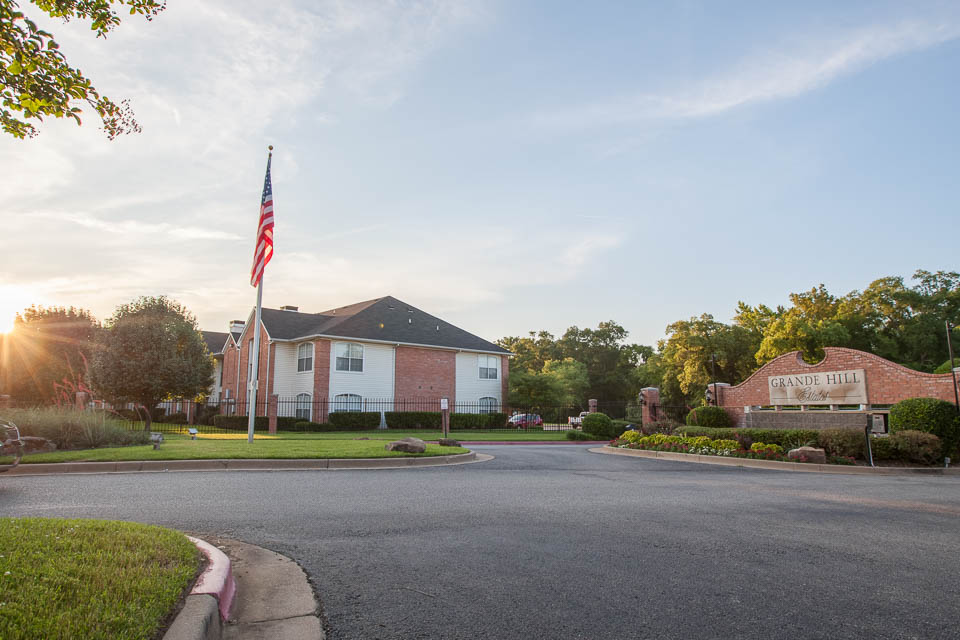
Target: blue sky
508, 166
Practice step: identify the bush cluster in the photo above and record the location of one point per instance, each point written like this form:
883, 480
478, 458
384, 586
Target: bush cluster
786, 438
701, 445
71, 429
355, 420
708, 417
929, 415
600, 425
478, 420
414, 419
573, 434
239, 423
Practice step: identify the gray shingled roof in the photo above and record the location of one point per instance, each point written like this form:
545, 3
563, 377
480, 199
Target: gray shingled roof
386, 319
215, 341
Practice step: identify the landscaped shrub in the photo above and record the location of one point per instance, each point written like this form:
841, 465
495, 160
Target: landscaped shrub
239, 423
478, 420
310, 427
849, 443
71, 429
761, 446
623, 425
882, 448
157, 414
916, 446
708, 417
413, 419
786, 438
573, 434
665, 425
358, 420
176, 418
601, 425
929, 415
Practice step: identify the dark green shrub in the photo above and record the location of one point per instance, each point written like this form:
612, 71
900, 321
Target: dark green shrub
708, 417
916, 446
850, 443
355, 420
786, 438
573, 434
206, 414
413, 419
176, 418
157, 414
665, 426
929, 415
239, 423
882, 448
623, 425
309, 427
601, 425
478, 420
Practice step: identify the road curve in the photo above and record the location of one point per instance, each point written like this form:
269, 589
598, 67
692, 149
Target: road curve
553, 541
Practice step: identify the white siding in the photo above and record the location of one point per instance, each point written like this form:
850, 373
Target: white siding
470, 387
287, 381
215, 387
376, 379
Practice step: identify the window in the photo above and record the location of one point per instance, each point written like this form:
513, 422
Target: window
347, 402
305, 357
488, 367
488, 405
349, 356
303, 406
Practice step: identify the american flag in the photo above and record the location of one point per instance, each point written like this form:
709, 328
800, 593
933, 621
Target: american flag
264, 250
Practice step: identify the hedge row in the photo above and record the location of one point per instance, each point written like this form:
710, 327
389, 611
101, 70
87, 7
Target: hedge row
413, 419
478, 420
260, 422
368, 420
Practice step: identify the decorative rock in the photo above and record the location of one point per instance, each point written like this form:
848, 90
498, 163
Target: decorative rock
448, 442
812, 454
361, 438
34, 444
407, 445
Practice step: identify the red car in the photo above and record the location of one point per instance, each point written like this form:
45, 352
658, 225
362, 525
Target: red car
524, 420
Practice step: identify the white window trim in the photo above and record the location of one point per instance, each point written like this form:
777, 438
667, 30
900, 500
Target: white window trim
347, 399
363, 358
493, 407
485, 358
311, 356
309, 402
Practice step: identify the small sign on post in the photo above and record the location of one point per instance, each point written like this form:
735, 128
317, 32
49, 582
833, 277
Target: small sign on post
445, 416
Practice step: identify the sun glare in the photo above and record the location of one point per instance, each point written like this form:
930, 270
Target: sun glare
13, 300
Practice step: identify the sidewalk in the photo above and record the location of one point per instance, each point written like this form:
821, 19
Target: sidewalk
274, 600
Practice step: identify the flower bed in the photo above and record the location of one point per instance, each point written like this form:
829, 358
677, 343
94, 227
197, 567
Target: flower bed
704, 446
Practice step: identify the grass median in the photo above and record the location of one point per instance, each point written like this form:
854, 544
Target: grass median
90, 578
235, 446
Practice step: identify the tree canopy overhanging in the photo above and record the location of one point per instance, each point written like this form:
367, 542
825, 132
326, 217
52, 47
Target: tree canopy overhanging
37, 81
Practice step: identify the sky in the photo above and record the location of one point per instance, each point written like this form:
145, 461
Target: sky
508, 166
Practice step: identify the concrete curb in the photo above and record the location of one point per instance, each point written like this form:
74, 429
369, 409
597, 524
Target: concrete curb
238, 464
209, 602
775, 464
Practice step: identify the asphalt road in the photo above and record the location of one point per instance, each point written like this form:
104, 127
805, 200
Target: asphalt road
556, 542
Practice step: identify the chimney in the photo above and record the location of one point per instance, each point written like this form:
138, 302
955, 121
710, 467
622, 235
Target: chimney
289, 307
236, 326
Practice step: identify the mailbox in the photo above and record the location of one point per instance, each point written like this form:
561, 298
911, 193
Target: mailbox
878, 423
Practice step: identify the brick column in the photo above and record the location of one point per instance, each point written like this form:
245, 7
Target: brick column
272, 414
321, 380
651, 400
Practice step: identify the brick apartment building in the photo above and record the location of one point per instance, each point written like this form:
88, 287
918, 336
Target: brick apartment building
353, 358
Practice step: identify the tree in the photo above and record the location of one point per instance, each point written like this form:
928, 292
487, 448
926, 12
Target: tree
36, 80
571, 378
151, 349
47, 351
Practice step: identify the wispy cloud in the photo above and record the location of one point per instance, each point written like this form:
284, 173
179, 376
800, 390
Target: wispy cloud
774, 73
138, 227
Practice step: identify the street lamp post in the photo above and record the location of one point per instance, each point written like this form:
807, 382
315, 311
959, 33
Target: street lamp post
956, 394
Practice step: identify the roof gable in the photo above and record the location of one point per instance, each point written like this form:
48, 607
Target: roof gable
384, 319
215, 341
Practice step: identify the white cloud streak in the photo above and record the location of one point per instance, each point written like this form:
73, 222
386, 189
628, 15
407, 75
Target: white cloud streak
772, 74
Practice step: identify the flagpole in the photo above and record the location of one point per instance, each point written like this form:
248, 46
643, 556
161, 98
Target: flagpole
254, 381
255, 375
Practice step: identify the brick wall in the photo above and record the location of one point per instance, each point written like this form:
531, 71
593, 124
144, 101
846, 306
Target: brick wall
504, 381
262, 375
230, 356
425, 373
887, 382
321, 376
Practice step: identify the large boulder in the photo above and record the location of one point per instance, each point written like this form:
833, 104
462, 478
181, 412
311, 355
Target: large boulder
809, 454
34, 444
448, 442
407, 445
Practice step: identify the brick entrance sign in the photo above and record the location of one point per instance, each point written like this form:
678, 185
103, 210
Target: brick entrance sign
837, 391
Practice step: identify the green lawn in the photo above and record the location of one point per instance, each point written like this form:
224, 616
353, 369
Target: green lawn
90, 578
235, 446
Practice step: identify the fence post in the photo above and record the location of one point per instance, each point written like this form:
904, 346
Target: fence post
272, 413
651, 400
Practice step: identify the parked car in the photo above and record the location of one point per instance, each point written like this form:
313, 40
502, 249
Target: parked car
10, 444
524, 420
577, 421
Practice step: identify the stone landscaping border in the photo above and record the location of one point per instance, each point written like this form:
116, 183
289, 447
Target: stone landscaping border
775, 464
240, 464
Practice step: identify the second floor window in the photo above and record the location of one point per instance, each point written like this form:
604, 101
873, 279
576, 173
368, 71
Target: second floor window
305, 357
349, 356
488, 367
